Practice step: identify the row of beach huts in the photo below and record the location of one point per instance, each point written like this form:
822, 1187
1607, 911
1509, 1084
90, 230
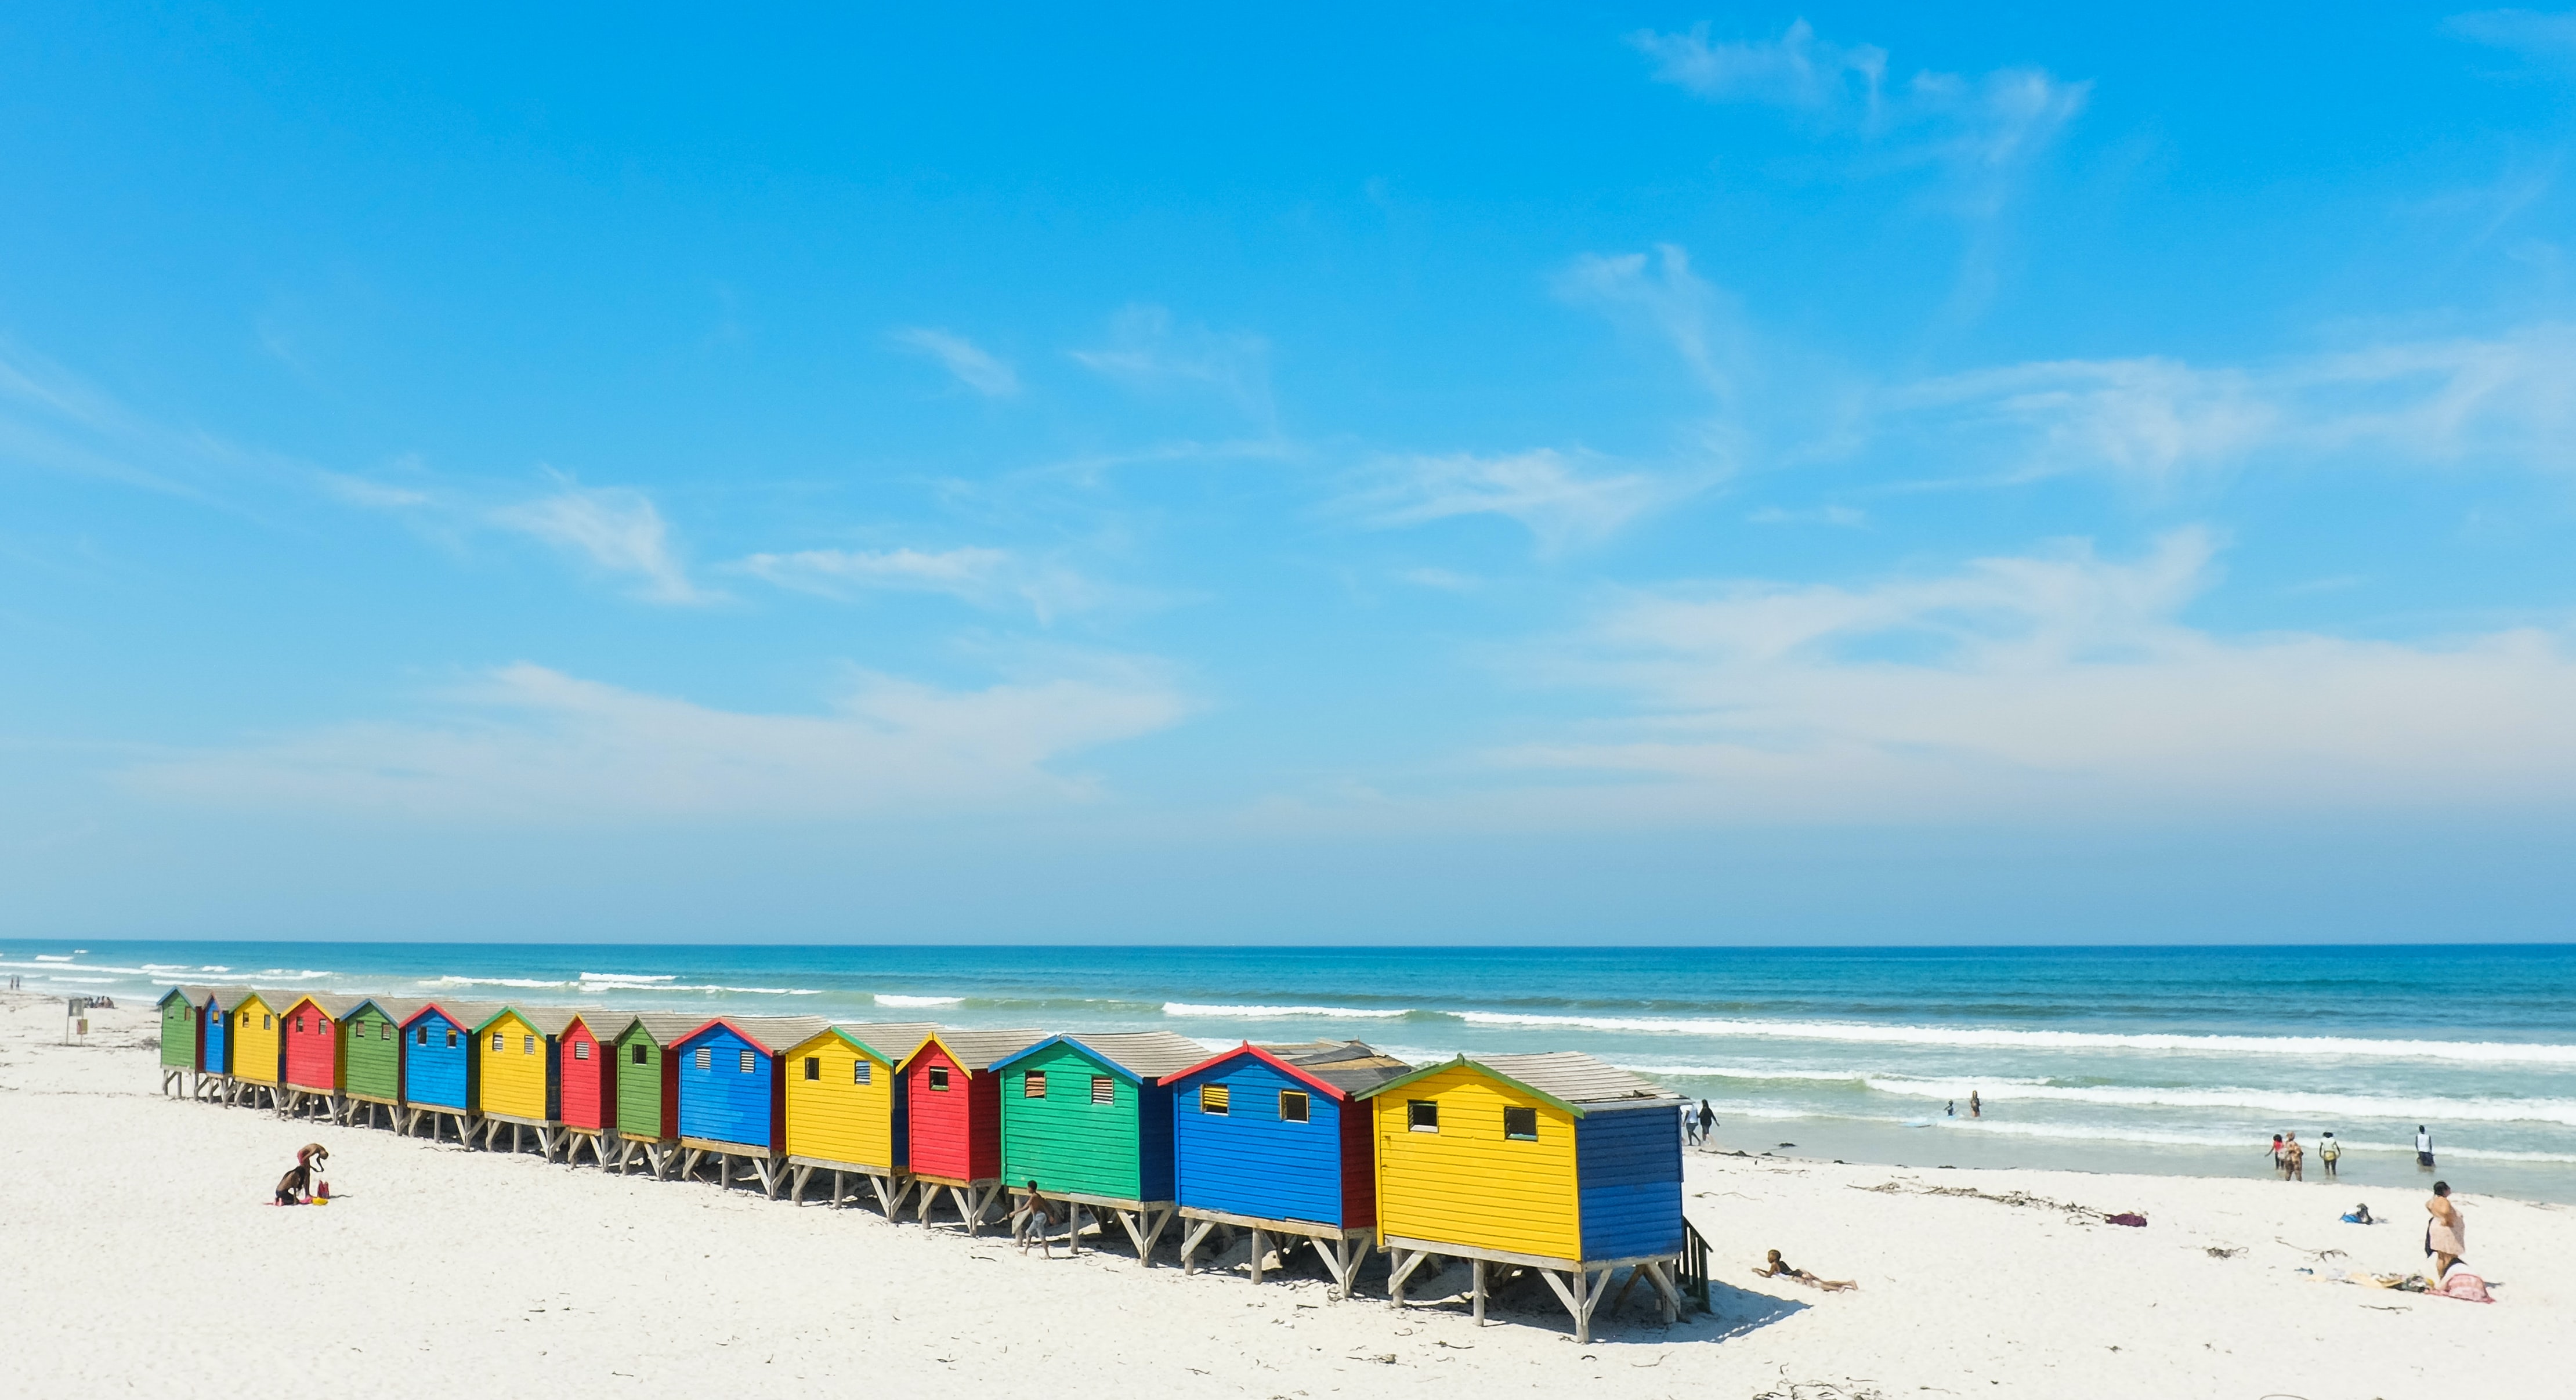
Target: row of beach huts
1557, 1167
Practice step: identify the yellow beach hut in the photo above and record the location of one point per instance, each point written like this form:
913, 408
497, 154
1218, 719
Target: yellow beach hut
844, 1108
515, 1083
1556, 1164
257, 1049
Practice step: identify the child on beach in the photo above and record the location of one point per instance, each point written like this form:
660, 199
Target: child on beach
296, 1187
1777, 1267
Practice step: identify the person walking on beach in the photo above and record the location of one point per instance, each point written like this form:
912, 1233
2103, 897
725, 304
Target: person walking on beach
2293, 1160
2423, 1147
2329, 1152
1690, 1124
2446, 1233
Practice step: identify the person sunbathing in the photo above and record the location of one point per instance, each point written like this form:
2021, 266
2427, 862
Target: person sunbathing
1777, 1267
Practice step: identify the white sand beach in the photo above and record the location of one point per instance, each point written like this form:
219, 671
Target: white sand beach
145, 1259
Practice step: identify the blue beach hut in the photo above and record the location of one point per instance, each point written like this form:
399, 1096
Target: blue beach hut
733, 1095
438, 1067
1267, 1138
215, 1009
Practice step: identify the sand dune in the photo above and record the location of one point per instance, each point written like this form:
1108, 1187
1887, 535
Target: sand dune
145, 1260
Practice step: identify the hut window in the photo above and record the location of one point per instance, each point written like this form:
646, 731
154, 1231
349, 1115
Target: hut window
813, 1067
1212, 1098
1292, 1106
384, 1030
424, 1035
706, 1057
861, 1071
746, 1062
581, 1049
264, 1023
451, 1037
527, 1045
640, 1056
938, 1079
1103, 1089
496, 1042
1033, 1084
1521, 1124
1422, 1115
299, 1025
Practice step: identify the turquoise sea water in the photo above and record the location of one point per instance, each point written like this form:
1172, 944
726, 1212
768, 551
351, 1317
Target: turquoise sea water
2180, 1060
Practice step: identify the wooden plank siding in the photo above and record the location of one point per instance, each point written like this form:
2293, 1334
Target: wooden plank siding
835, 1115
310, 1041
371, 1054
256, 1044
1248, 1160
514, 1060
438, 1061
1467, 1183
729, 1089
586, 1075
954, 1131
218, 1021
648, 1086
1629, 1162
182, 1040
1066, 1142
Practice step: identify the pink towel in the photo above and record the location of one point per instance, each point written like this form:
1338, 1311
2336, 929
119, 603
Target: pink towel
2465, 1286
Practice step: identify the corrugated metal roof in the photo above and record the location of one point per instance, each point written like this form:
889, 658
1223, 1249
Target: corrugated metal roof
467, 1014
896, 1040
976, 1050
395, 1011
1576, 1077
605, 1025
228, 995
333, 1005
665, 1027
776, 1033
1146, 1054
549, 1020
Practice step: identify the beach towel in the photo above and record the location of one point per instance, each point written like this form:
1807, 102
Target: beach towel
2465, 1286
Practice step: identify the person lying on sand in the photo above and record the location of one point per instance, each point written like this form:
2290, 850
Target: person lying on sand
296, 1187
1778, 1267
2360, 1215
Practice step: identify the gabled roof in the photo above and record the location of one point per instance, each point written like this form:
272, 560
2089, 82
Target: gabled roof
1248, 1050
1134, 1055
886, 1042
769, 1034
464, 1014
603, 1025
228, 994
269, 999
978, 1050
190, 995
665, 1027
330, 1004
1350, 1064
1567, 1079
547, 1020
397, 1012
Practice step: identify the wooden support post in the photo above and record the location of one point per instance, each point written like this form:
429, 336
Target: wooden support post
1260, 1248
1671, 1297
1404, 1262
1477, 1271
1191, 1235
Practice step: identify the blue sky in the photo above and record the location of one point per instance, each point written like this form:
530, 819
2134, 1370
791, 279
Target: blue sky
1624, 474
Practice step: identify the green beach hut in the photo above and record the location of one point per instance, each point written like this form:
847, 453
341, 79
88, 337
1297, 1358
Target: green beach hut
1090, 1121
183, 1039
648, 1091
371, 1060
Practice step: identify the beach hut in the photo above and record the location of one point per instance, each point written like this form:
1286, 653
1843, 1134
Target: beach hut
1267, 1138
648, 1090
216, 1064
256, 1048
586, 1083
1090, 1121
731, 1084
371, 1060
515, 1080
843, 1109
439, 1068
308, 1033
183, 1039
1558, 1164
953, 1119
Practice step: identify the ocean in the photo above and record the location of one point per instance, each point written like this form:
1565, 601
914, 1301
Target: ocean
2169, 1060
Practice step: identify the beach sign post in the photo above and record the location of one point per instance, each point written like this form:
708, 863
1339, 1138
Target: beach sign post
1268, 1139
1556, 1164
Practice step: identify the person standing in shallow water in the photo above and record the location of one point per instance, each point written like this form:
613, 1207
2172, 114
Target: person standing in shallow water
1976, 1106
2423, 1147
2294, 1160
2329, 1152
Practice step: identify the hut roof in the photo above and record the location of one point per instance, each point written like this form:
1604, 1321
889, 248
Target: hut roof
1139, 1055
771, 1034
467, 1014
547, 1020
1569, 1079
1340, 1068
665, 1027
395, 1011
225, 994
980, 1050
190, 995
330, 1004
604, 1025
890, 1041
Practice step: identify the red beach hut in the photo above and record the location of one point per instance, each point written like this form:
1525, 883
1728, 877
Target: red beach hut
310, 1031
953, 1103
588, 1078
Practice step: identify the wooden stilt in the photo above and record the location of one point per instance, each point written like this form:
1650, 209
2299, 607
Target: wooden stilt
1476, 1268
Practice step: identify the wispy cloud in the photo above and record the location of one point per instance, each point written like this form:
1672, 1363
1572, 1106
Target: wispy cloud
1795, 70
1663, 296
986, 578
1148, 352
2508, 400
2533, 33
974, 367
2054, 683
527, 744
613, 529
1565, 502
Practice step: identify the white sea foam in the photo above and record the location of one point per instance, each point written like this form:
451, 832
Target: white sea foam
891, 999
2265, 1101
523, 983
280, 974
635, 979
1184, 1008
2481, 1052
48, 957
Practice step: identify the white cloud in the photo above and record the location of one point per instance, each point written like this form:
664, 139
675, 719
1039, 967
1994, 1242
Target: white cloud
526, 744
2510, 400
2530, 32
1147, 352
974, 367
984, 577
1560, 503
2057, 684
1666, 298
614, 529
1795, 70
